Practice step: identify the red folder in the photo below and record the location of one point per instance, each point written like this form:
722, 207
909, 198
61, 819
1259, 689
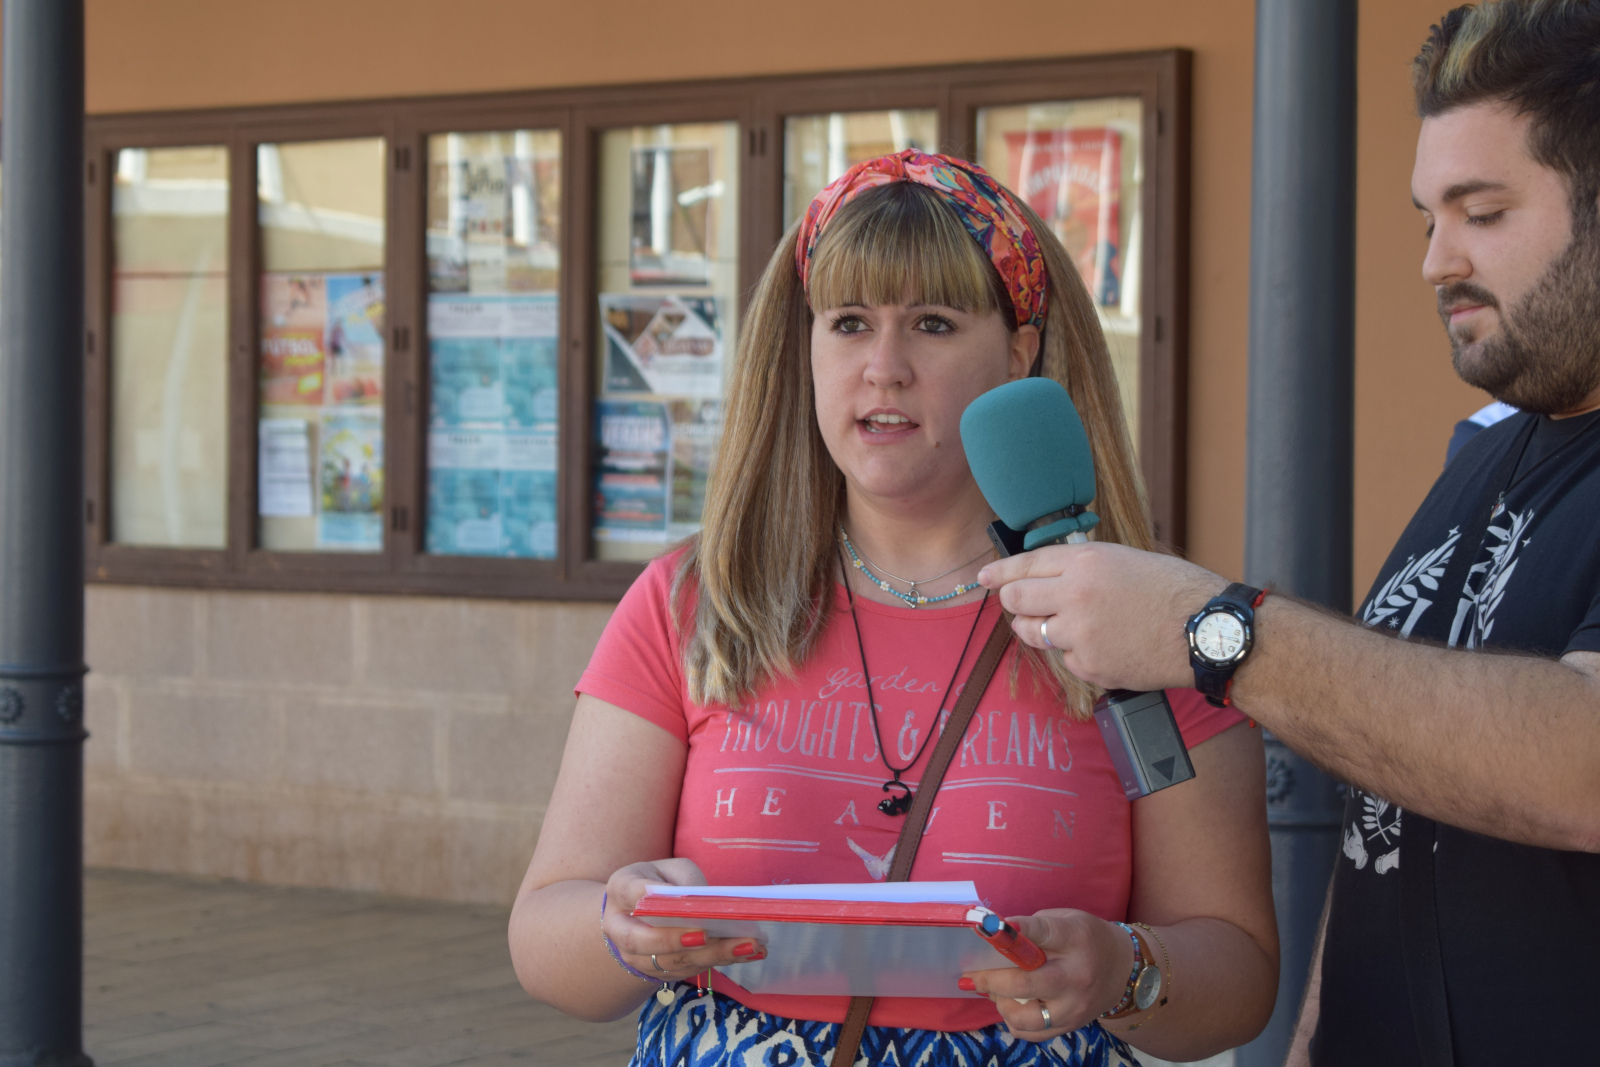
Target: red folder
881, 948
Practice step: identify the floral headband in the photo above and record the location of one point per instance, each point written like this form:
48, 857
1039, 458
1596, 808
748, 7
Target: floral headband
984, 206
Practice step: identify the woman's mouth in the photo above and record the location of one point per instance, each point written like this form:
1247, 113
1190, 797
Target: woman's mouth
882, 422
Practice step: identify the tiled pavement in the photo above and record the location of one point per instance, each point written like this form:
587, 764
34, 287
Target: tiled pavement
194, 972
188, 972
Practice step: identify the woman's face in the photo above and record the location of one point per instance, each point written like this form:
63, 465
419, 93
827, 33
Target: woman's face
891, 383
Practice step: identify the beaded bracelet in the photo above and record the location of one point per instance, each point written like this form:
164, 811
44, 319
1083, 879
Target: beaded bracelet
611, 947
1133, 976
1166, 978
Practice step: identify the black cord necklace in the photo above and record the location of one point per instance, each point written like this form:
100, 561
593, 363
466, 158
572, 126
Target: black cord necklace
1527, 439
899, 804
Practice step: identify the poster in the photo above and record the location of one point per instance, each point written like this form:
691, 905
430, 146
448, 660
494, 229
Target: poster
1073, 179
284, 484
672, 209
350, 481
631, 476
493, 416
490, 512
493, 360
353, 341
294, 319
696, 426
662, 345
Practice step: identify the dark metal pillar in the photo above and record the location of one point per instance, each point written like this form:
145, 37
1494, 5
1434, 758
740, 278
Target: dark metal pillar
41, 529
1302, 312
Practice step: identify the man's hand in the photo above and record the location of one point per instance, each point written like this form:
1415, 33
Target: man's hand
1116, 613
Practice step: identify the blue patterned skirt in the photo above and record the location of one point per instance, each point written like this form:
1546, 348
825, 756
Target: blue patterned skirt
718, 1031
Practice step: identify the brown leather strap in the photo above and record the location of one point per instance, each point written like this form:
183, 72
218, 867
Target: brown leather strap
905, 850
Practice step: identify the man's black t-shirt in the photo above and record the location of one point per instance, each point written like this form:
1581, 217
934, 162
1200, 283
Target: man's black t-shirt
1519, 927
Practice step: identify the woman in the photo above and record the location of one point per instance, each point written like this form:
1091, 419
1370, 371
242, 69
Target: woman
724, 720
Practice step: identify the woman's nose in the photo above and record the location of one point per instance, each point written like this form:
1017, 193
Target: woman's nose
888, 363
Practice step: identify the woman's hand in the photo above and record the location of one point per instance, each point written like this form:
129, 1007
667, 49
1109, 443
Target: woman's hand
673, 952
1087, 973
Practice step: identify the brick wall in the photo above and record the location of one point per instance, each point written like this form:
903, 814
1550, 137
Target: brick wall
400, 744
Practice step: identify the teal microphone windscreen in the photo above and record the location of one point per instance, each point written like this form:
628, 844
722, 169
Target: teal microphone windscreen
1030, 456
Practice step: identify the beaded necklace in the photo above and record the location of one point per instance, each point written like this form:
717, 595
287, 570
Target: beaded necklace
912, 598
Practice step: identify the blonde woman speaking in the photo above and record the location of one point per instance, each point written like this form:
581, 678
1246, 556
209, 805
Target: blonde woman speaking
766, 691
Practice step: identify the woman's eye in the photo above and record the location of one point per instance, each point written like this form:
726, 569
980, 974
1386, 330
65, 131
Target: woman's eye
935, 324
848, 324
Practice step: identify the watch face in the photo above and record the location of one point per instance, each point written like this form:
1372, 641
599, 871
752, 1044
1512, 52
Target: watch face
1147, 988
1219, 637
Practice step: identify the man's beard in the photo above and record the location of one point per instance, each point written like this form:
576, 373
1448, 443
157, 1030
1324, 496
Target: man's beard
1546, 356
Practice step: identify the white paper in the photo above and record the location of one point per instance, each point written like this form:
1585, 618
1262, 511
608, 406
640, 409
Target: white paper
867, 892
284, 477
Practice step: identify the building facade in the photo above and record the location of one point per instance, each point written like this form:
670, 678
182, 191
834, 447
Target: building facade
407, 331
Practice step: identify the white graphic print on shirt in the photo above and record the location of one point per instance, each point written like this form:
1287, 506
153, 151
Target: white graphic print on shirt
1399, 604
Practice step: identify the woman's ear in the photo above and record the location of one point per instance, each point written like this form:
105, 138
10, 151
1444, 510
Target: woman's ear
1024, 351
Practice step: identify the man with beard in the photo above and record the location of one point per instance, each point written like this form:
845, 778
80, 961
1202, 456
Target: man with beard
1474, 937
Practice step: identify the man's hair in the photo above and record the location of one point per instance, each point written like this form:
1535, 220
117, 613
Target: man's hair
1542, 57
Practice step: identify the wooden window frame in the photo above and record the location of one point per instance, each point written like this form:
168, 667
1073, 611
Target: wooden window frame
760, 105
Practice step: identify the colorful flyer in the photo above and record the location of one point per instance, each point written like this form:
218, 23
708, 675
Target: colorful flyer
464, 513
696, 426
631, 481
1073, 179
493, 410
294, 319
528, 508
350, 479
354, 342
662, 345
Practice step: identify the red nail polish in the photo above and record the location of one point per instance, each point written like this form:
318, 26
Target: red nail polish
746, 949
967, 985
693, 939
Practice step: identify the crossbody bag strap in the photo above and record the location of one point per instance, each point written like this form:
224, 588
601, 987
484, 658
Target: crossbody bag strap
905, 850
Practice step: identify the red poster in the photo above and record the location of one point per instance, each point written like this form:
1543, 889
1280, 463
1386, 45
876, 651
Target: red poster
294, 315
1073, 179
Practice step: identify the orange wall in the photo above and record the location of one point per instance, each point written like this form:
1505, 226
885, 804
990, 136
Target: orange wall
161, 54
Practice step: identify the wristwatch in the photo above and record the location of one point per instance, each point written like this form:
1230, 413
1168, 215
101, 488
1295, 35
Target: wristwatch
1220, 637
1145, 982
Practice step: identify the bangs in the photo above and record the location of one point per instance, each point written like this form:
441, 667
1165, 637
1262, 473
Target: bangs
902, 243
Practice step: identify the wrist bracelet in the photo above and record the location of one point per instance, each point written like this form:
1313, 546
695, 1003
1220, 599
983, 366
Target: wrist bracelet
611, 947
1133, 976
1166, 978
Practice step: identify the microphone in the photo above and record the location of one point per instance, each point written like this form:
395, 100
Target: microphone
1030, 455
1031, 459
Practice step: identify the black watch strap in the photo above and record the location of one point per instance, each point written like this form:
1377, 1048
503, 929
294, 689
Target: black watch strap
1215, 683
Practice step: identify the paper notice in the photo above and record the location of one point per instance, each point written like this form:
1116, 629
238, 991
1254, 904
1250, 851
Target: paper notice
284, 476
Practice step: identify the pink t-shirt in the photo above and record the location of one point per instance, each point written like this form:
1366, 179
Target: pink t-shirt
785, 789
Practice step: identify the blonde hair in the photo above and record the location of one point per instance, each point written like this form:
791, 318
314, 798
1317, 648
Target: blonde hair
762, 568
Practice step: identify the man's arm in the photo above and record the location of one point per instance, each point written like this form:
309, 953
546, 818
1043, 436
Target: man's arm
1506, 745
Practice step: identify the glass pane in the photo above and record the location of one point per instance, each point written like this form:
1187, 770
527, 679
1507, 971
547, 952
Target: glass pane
819, 148
1079, 164
668, 283
169, 347
320, 433
494, 214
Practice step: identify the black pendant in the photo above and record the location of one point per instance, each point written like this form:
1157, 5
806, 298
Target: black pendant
895, 805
